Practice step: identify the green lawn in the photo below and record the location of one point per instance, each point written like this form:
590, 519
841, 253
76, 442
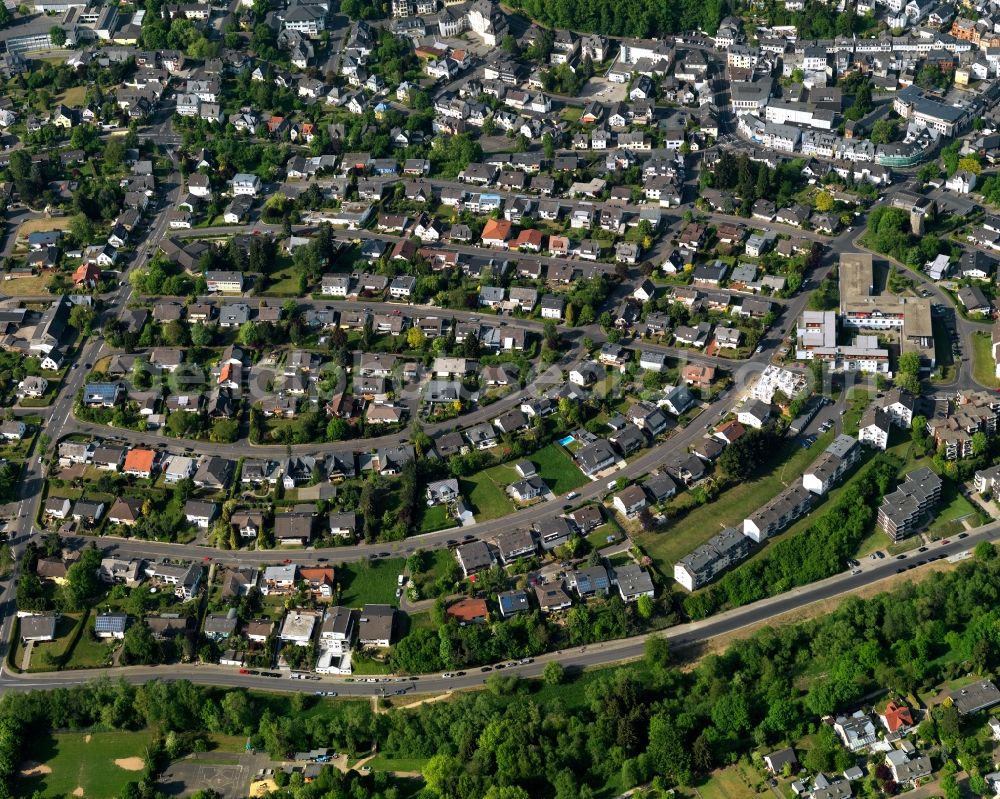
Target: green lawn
75, 763
434, 518
598, 537
557, 469
365, 665
486, 492
383, 763
90, 652
856, 405
730, 507
953, 507
283, 284
369, 582
983, 367
227, 743
731, 783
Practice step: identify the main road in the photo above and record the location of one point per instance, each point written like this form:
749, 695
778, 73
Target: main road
682, 637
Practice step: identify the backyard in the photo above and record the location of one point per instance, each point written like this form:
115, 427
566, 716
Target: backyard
486, 492
95, 765
557, 469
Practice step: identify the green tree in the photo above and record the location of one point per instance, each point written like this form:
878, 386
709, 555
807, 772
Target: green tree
553, 673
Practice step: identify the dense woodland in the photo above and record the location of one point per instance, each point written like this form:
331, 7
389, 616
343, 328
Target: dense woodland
624, 726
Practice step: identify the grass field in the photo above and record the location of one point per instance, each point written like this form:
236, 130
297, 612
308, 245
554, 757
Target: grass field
730, 507
77, 762
283, 284
730, 783
441, 562
952, 508
407, 764
856, 405
435, 518
27, 286
557, 469
982, 361
485, 492
89, 652
74, 97
369, 582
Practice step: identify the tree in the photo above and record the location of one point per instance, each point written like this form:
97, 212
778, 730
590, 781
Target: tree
82, 584
415, 338
553, 673
57, 36
139, 647
883, 131
824, 201
224, 431
656, 652
645, 607
970, 163
81, 317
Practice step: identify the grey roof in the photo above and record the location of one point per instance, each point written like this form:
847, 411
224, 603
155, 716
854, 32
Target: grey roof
975, 696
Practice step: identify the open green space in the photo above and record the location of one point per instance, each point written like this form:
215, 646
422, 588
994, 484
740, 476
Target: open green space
557, 469
369, 582
227, 743
983, 366
856, 403
731, 783
283, 283
78, 760
598, 537
408, 764
950, 511
90, 652
486, 493
434, 518
730, 507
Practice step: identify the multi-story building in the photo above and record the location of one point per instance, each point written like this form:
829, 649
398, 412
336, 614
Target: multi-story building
827, 470
902, 510
710, 559
953, 424
775, 515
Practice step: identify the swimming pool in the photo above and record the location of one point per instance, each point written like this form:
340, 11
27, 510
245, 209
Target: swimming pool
566, 441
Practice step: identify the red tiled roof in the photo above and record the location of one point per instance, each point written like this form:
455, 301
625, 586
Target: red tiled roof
468, 610
139, 460
897, 716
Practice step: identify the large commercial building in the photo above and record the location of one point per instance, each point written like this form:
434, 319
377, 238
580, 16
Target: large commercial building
863, 308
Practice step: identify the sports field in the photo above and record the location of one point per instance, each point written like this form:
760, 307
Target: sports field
94, 765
